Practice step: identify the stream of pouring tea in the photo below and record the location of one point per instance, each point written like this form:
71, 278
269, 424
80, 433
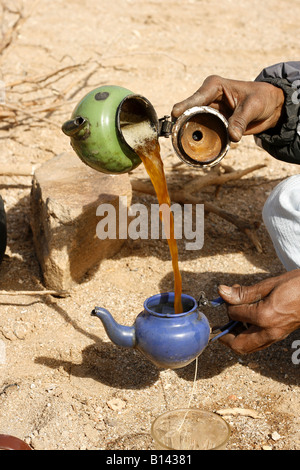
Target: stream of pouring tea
149, 153
145, 143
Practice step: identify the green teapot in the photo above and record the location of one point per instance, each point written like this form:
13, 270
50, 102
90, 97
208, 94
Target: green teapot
97, 131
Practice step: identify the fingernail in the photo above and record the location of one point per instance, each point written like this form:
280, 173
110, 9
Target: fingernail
235, 133
225, 290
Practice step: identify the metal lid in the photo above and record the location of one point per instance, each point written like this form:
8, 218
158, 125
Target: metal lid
200, 136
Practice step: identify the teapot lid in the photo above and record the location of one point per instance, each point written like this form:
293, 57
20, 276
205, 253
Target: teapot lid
200, 136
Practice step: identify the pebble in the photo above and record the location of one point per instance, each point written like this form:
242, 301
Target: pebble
275, 436
37, 443
232, 397
253, 365
111, 422
20, 330
116, 404
239, 412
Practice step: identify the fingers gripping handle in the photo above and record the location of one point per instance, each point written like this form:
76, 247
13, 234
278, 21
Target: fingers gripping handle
220, 331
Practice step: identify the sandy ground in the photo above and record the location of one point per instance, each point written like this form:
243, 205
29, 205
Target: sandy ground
62, 376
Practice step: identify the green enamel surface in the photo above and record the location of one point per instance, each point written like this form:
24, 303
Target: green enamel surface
103, 150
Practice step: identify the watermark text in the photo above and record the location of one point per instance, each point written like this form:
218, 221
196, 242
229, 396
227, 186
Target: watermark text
153, 222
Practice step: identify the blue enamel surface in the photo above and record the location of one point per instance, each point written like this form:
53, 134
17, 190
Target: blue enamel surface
171, 340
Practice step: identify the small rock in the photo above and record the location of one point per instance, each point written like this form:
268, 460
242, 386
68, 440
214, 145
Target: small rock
232, 397
239, 412
27, 440
20, 330
50, 388
116, 404
111, 422
253, 365
275, 436
38, 443
100, 425
267, 448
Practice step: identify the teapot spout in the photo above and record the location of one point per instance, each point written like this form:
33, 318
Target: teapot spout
120, 335
77, 128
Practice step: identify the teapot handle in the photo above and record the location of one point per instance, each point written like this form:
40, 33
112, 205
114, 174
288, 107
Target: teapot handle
217, 332
216, 302
204, 302
224, 330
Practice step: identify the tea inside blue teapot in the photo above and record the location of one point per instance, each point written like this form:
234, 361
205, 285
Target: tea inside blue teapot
164, 304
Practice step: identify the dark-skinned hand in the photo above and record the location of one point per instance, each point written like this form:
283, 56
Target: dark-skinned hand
250, 107
271, 310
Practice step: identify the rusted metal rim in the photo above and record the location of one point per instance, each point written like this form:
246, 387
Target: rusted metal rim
200, 137
139, 107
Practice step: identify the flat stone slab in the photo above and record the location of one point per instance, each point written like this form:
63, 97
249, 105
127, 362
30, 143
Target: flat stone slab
65, 196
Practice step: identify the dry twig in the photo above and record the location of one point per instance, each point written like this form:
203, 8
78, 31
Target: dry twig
35, 292
8, 37
214, 178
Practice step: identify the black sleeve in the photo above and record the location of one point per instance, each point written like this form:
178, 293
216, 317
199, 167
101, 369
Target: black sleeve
283, 142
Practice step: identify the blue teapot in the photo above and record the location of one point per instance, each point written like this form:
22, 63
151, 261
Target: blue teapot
168, 340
